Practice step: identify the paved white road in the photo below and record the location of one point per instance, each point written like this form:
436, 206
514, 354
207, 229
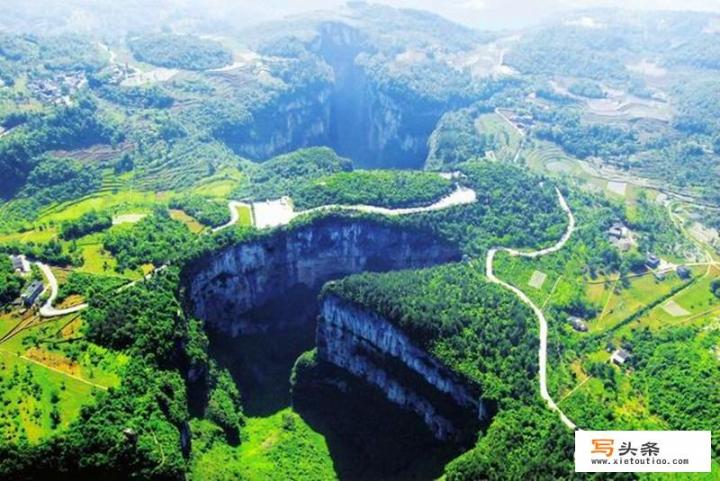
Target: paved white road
462, 195
542, 352
47, 310
280, 212
234, 214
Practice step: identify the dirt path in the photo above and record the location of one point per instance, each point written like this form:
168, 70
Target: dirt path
72, 376
542, 352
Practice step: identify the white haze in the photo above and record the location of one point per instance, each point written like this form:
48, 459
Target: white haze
483, 14
100, 15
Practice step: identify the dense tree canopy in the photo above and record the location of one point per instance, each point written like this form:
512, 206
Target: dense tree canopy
64, 128
10, 283
384, 188
87, 223
180, 51
468, 323
206, 211
279, 175
157, 239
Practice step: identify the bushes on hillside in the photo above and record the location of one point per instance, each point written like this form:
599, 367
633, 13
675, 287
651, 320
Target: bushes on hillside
180, 51
156, 239
88, 223
388, 188
206, 211
10, 283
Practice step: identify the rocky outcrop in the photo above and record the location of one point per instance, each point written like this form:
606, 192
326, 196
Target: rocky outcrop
375, 350
234, 290
296, 120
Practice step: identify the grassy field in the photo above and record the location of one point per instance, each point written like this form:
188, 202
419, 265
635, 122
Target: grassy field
521, 273
279, 447
495, 126
620, 303
701, 304
187, 219
122, 202
219, 185
245, 214
97, 261
44, 384
43, 235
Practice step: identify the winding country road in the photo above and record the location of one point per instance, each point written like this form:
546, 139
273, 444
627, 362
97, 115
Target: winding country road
234, 214
461, 195
542, 352
47, 309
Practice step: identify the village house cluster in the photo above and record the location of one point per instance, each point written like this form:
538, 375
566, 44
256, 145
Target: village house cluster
58, 89
620, 236
32, 291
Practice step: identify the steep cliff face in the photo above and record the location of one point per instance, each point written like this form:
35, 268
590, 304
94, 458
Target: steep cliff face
370, 347
368, 123
234, 290
297, 119
352, 111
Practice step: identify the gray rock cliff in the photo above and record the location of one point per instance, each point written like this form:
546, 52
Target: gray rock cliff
373, 349
232, 288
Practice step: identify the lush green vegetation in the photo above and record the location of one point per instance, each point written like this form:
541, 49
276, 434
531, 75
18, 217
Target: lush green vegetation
224, 407
138, 97
157, 239
457, 140
130, 432
88, 285
587, 88
383, 188
513, 208
569, 50
47, 374
52, 252
582, 139
449, 310
59, 179
180, 51
278, 447
279, 175
144, 318
535, 445
676, 355
88, 223
73, 153
206, 211
10, 283
473, 133
659, 233
698, 106
64, 128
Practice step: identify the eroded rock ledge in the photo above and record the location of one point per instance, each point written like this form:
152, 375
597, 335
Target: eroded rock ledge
375, 350
233, 289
